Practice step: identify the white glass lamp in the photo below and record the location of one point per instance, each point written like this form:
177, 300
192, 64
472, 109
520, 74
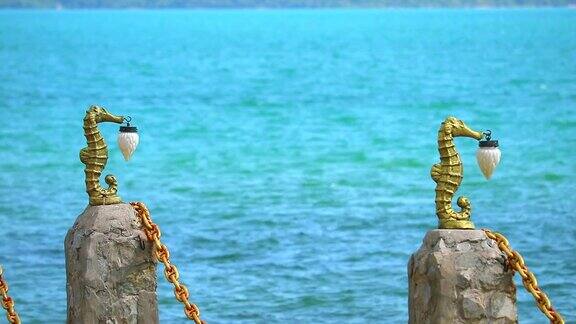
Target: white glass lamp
128, 139
488, 155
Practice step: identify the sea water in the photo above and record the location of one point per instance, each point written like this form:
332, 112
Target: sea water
286, 154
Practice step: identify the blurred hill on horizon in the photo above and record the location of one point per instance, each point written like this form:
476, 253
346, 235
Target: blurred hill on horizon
118, 4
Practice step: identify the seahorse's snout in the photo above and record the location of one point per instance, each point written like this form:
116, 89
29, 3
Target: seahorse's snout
102, 115
463, 130
108, 117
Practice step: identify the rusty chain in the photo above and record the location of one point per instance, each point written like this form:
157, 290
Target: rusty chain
163, 255
7, 301
516, 262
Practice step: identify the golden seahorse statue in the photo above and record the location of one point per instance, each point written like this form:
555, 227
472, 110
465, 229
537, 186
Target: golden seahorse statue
95, 156
448, 175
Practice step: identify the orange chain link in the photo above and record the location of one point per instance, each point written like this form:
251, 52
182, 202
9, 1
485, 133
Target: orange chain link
7, 302
163, 255
516, 262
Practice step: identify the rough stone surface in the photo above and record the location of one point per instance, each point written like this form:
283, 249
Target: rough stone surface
111, 279
459, 276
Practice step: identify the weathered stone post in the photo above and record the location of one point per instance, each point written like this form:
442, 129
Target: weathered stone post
111, 276
460, 276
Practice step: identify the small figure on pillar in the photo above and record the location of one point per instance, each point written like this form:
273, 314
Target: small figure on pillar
95, 155
449, 172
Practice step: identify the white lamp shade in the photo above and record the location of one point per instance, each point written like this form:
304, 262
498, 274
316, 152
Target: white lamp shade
488, 158
128, 142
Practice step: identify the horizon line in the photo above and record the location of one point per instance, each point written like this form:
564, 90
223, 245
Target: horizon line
58, 8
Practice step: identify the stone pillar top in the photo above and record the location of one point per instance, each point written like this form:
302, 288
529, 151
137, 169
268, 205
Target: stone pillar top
460, 276
110, 272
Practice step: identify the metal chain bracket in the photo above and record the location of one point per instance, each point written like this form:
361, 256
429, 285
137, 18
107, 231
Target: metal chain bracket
516, 262
163, 255
7, 302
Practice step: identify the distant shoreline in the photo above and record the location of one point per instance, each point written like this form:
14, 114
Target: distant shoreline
287, 8
280, 4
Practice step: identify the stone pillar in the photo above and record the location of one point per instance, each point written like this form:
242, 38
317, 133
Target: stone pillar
111, 276
460, 276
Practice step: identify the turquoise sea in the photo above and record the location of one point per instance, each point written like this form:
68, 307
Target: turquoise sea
286, 154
